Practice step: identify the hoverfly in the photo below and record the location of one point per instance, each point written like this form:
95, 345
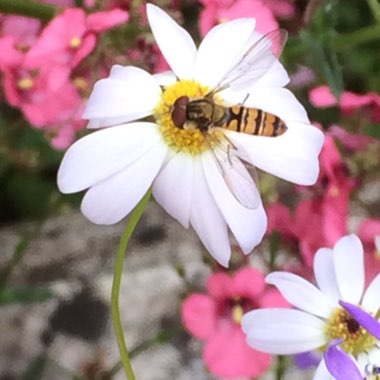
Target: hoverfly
206, 113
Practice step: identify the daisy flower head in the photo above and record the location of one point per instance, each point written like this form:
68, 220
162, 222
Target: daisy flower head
188, 155
324, 314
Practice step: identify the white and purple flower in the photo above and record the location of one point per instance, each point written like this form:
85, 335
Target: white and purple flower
337, 317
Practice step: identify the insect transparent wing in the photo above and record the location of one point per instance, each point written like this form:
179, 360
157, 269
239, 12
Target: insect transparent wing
236, 176
258, 58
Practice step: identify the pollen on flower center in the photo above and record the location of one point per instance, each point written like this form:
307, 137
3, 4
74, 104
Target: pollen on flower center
237, 313
25, 84
75, 42
356, 339
188, 139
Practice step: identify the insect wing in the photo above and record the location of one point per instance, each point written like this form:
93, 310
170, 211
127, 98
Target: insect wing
236, 177
258, 58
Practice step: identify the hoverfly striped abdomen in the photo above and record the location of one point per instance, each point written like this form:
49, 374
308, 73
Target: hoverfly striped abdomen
254, 122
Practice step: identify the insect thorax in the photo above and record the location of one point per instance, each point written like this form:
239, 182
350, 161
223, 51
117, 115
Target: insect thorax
205, 113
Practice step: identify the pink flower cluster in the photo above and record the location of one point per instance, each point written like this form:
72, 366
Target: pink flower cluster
215, 318
42, 75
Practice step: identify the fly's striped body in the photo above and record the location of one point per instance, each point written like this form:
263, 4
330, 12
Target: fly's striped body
254, 122
205, 114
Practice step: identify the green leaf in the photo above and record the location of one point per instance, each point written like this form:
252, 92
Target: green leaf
10, 295
324, 59
373, 130
35, 369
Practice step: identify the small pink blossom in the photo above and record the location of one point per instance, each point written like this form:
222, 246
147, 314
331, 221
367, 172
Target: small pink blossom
63, 45
23, 29
215, 12
352, 141
282, 8
215, 318
349, 102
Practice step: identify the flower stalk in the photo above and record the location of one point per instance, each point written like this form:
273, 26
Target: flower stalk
375, 9
131, 225
43, 12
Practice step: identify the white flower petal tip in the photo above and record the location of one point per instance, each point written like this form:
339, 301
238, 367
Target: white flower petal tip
101, 154
112, 199
283, 331
292, 156
129, 93
349, 268
301, 293
247, 225
174, 42
213, 61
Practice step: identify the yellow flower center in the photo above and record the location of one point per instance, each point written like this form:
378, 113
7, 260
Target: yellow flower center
237, 313
187, 139
356, 339
75, 42
334, 191
25, 84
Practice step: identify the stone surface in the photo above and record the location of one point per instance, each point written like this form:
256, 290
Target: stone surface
75, 259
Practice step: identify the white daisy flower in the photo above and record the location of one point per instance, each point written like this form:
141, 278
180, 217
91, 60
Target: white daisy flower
195, 173
320, 320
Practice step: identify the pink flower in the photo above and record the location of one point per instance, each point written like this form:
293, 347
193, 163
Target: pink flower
349, 102
369, 233
219, 11
23, 29
215, 317
352, 141
322, 219
63, 45
281, 8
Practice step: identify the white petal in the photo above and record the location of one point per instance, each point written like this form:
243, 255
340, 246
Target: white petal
283, 331
324, 273
349, 268
322, 372
292, 156
247, 225
173, 187
280, 102
112, 199
301, 293
374, 356
127, 94
276, 76
220, 49
166, 78
101, 154
207, 220
371, 299
175, 43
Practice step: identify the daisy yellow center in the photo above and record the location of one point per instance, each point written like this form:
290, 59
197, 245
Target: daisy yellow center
186, 139
356, 339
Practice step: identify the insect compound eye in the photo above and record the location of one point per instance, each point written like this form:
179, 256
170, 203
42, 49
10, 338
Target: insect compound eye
179, 111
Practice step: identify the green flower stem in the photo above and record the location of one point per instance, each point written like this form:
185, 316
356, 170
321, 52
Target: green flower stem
131, 225
367, 34
44, 12
375, 8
